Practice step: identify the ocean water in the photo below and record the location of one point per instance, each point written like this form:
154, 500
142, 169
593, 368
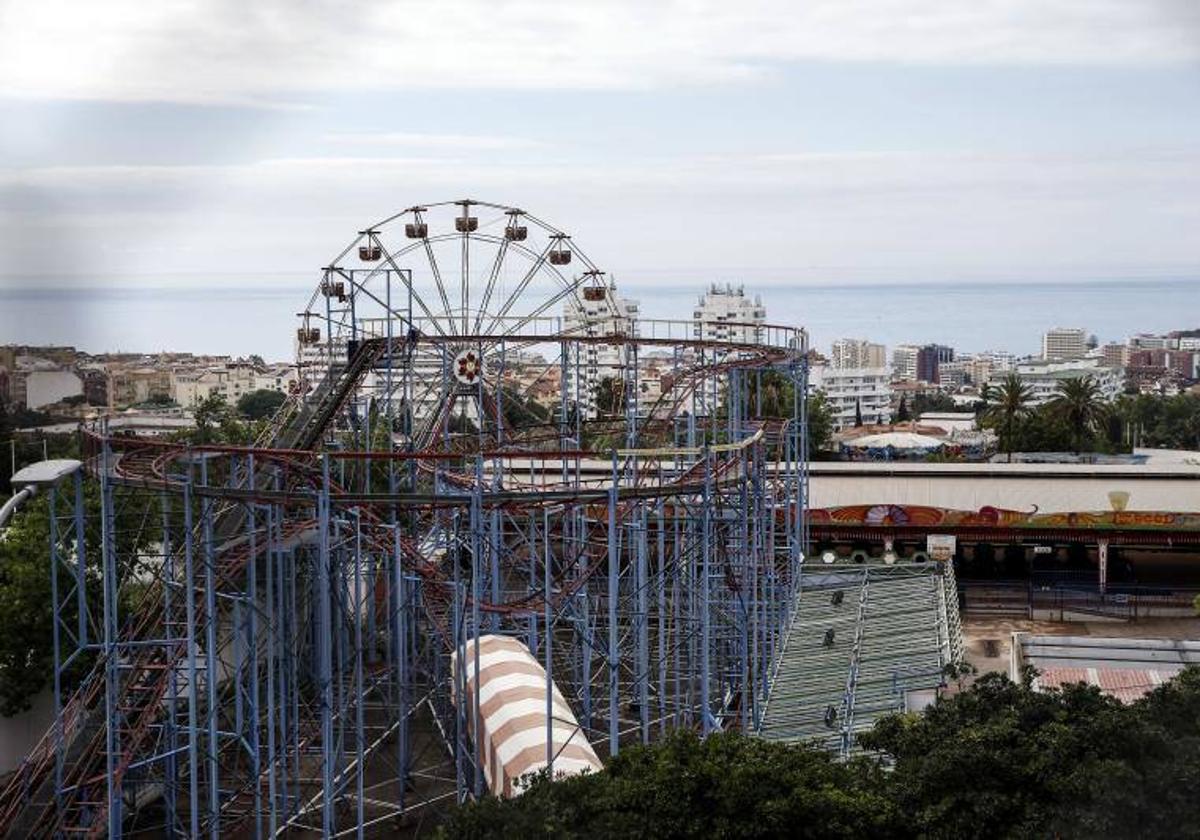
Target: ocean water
259, 315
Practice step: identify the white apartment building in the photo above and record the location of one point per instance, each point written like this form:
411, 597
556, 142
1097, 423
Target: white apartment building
1064, 343
724, 313
1147, 341
599, 312
1043, 377
857, 353
904, 362
851, 390
190, 387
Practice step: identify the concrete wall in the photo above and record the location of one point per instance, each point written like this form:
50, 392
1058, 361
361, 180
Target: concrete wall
1051, 488
43, 387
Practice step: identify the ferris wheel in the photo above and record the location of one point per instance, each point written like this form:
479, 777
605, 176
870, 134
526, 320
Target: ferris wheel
466, 269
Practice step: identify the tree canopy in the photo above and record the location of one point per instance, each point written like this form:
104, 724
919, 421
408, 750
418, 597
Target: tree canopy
997, 760
260, 404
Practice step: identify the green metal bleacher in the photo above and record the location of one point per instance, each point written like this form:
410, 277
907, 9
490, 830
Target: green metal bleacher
894, 631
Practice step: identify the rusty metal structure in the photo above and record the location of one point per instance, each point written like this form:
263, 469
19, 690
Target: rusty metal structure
271, 654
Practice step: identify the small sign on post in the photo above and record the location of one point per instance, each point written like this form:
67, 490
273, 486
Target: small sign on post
940, 547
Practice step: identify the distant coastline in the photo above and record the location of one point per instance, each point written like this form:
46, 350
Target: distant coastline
257, 315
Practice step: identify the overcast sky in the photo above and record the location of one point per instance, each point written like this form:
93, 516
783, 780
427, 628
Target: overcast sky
771, 141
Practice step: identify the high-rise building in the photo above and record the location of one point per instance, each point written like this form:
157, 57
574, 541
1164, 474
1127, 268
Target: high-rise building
724, 313
1148, 341
929, 357
904, 362
1115, 355
599, 312
858, 353
1065, 343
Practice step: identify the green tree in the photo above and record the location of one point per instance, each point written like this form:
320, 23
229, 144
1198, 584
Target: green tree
610, 396
1080, 403
902, 415
936, 401
6, 436
728, 785
520, 411
1010, 407
26, 605
820, 423
260, 404
217, 423
1003, 760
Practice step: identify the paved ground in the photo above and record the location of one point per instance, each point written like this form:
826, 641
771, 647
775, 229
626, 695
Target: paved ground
989, 640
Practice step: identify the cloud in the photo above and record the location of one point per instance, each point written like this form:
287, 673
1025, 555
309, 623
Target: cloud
278, 51
914, 214
399, 139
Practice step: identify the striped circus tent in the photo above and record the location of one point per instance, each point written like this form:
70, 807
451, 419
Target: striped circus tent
514, 735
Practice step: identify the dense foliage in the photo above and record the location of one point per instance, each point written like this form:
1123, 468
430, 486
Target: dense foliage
725, 786
997, 760
260, 404
1169, 422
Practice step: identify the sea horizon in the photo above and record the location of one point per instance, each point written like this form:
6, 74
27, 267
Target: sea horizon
257, 313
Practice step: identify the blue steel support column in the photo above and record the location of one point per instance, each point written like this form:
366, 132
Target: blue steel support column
401, 664
456, 638
193, 670
359, 739
643, 628
549, 644
170, 770
210, 659
324, 642
661, 579
81, 604
111, 657
614, 656
705, 571
58, 733
476, 596
270, 555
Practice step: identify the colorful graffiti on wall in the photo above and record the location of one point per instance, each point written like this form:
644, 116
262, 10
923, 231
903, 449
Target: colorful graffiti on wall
935, 517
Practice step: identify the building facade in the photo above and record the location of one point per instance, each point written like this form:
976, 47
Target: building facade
854, 391
725, 313
1044, 377
1064, 343
857, 353
599, 312
904, 362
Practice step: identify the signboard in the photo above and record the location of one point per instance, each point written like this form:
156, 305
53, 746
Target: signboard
1043, 549
940, 547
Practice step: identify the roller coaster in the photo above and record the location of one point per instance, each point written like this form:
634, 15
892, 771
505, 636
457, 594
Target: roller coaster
270, 652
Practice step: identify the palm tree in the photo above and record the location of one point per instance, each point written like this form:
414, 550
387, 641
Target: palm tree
1080, 403
1010, 407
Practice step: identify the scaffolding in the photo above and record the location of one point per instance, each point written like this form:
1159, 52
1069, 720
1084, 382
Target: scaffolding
262, 643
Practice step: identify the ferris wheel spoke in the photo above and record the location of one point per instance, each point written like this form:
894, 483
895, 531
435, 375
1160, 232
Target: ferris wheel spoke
549, 302
406, 280
519, 290
437, 278
493, 276
464, 264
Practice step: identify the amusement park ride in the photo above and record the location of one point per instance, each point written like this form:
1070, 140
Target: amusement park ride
287, 634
